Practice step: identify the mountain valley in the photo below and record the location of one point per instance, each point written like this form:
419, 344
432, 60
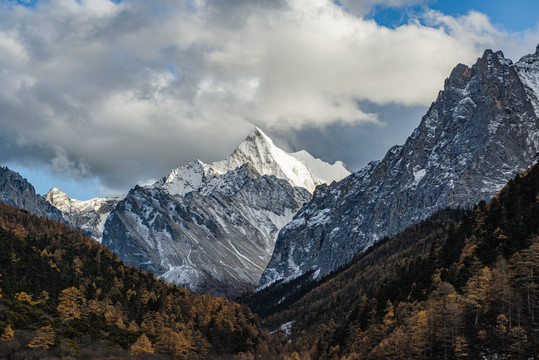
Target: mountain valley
429, 253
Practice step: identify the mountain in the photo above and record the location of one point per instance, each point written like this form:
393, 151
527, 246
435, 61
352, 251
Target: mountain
212, 228
89, 216
460, 284
17, 191
299, 168
482, 129
63, 295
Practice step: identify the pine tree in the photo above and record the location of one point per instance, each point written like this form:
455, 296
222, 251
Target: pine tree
24, 297
461, 348
133, 327
519, 341
174, 343
526, 276
419, 332
389, 320
477, 289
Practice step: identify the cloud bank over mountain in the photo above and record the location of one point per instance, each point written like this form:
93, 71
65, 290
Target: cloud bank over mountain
127, 90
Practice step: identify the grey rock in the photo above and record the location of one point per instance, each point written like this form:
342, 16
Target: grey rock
480, 132
17, 191
217, 238
88, 216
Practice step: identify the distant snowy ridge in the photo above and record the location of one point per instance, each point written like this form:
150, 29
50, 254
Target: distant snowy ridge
325, 172
88, 216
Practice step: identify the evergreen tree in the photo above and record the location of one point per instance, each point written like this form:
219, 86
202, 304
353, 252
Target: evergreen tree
70, 304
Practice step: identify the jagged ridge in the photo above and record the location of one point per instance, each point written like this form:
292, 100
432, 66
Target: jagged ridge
481, 131
89, 216
215, 239
17, 191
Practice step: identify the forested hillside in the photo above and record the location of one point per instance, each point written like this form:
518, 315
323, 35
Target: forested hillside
440, 290
63, 294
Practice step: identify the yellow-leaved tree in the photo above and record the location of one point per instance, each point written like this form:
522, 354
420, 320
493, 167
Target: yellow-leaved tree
71, 300
8, 334
142, 346
174, 343
44, 338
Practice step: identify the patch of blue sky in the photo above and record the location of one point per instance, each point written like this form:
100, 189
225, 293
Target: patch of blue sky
33, 3
393, 17
42, 179
512, 16
173, 69
25, 3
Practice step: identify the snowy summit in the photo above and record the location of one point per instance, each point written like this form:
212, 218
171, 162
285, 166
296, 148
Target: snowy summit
258, 150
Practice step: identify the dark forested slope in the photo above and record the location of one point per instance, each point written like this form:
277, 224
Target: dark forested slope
443, 289
63, 294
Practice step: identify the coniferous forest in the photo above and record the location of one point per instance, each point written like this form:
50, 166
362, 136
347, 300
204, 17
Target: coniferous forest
459, 285
63, 295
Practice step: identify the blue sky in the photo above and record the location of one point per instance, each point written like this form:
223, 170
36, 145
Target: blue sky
98, 96
514, 16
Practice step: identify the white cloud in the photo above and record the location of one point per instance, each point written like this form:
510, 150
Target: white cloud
127, 91
13, 53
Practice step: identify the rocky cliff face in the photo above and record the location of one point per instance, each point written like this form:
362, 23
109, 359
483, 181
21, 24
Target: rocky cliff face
89, 216
17, 191
212, 228
482, 130
214, 239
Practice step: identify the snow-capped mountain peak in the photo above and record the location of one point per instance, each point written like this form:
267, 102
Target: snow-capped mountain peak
58, 199
263, 155
212, 227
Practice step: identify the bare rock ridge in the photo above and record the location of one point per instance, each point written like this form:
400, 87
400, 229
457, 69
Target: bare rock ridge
17, 191
482, 130
89, 216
